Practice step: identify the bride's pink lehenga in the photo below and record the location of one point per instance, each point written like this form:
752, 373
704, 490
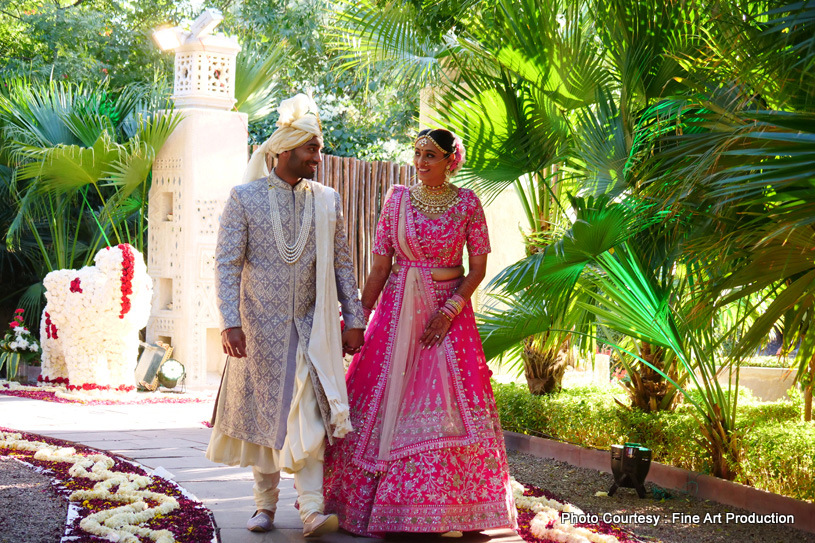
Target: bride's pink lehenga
427, 453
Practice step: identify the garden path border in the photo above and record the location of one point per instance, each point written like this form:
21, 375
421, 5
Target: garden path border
706, 487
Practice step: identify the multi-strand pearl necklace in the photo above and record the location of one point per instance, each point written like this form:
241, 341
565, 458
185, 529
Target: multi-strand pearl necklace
290, 253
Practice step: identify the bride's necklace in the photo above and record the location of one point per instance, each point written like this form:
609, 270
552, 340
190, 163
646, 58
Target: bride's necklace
433, 200
290, 253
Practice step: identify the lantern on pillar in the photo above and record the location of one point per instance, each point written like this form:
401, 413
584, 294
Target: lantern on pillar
192, 176
204, 62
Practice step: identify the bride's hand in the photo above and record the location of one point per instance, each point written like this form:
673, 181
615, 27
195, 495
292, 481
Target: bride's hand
435, 331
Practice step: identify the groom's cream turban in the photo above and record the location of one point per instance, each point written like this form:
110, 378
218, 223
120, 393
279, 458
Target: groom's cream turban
299, 122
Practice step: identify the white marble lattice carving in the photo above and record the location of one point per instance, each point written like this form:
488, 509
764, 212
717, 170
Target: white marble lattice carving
208, 216
206, 261
163, 325
205, 73
172, 163
184, 73
219, 74
205, 309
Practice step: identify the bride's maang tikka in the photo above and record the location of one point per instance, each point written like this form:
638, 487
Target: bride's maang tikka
424, 139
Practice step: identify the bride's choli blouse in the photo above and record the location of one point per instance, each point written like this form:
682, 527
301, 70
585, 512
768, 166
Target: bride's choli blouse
441, 239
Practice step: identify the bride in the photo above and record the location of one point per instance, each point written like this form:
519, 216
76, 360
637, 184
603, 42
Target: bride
428, 453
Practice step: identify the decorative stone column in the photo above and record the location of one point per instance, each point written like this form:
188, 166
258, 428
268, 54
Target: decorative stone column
192, 176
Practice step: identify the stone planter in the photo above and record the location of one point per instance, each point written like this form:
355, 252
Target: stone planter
766, 384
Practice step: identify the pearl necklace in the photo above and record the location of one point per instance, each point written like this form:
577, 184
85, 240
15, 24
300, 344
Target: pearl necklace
433, 200
290, 253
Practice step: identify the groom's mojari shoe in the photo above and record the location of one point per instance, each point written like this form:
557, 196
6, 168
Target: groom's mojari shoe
260, 522
318, 524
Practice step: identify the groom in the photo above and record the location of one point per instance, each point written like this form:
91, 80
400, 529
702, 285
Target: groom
282, 263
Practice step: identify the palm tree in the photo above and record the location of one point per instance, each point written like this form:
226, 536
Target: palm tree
595, 267
256, 78
79, 160
536, 84
737, 152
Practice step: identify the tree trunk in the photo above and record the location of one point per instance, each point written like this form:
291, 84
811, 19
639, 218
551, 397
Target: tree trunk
648, 389
543, 369
723, 445
808, 391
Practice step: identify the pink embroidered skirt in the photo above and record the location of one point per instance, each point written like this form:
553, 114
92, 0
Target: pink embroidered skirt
439, 487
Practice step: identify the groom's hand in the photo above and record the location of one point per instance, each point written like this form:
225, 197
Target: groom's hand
234, 342
352, 340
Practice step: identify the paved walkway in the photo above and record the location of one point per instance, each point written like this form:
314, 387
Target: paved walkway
173, 437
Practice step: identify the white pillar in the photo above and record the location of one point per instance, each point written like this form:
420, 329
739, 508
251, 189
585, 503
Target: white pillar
192, 176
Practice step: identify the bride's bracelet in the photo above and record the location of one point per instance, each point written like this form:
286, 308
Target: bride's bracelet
455, 304
447, 312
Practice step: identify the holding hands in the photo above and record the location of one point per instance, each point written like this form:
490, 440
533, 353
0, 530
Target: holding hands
435, 331
440, 323
352, 340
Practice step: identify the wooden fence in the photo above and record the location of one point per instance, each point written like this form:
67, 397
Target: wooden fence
362, 186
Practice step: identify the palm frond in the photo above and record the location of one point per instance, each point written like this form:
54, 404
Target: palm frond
600, 150
510, 320
599, 226
33, 114
256, 79
133, 165
66, 168
385, 38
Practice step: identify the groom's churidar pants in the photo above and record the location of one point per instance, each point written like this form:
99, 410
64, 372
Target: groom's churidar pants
309, 483
301, 454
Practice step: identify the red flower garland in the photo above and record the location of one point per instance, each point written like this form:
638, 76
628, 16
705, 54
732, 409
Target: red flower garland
57, 381
127, 278
525, 517
50, 327
94, 386
85, 386
49, 394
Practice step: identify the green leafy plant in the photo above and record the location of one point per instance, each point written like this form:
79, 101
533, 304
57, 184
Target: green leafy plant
18, 345
776, 453
80, 161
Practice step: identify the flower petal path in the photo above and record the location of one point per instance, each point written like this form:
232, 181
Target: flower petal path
172, 437
60, 394
111, 497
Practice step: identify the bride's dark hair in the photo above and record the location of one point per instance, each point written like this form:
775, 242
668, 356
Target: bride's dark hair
448, 143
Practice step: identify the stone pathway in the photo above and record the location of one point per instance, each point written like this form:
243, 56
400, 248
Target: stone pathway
173, 437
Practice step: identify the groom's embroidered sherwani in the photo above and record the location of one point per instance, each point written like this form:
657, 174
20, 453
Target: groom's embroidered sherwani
274, 303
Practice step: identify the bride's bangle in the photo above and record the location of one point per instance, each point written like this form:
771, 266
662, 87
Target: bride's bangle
444, 310
455, 304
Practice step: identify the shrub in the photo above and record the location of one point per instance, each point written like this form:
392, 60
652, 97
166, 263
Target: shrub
765, 361
780, 457
672, 437
777, 453
583, 416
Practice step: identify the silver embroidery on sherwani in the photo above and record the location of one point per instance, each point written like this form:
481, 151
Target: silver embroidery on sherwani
274, 304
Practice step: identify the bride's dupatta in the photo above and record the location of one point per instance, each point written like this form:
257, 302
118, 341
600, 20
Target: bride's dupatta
421, 405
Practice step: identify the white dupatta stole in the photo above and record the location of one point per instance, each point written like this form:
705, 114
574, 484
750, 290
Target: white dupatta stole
325, 344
